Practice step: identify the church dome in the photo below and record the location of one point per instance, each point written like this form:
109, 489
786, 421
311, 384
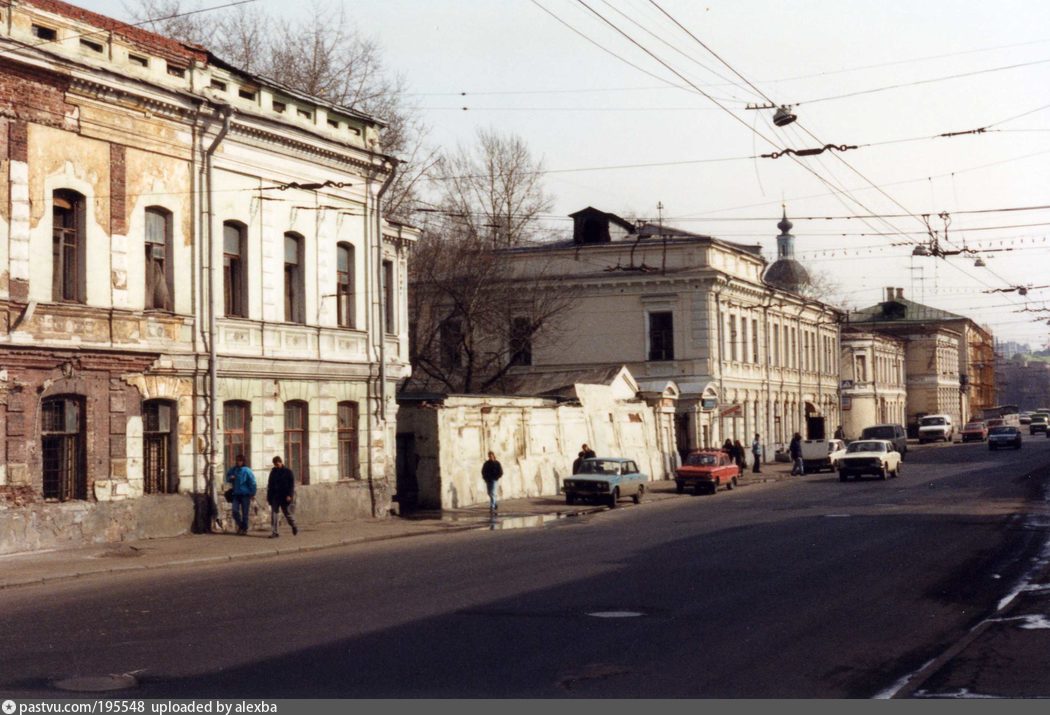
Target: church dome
786, 272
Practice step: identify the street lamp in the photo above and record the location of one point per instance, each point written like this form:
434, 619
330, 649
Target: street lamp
783, 116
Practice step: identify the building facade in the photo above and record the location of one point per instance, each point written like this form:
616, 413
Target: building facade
748, 356
874, 385
962, 390
193, 265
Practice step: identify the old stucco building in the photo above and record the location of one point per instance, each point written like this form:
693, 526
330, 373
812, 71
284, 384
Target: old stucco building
748, 355
950, 359
192, 264
874, 386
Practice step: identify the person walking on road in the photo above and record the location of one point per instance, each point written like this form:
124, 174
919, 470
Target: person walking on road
756, 453
491, 472
280, 495
795, 452
243, 480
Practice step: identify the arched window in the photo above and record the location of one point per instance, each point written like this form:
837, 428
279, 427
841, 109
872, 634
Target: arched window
348, 417
237, 431
344, 285
68, 239
62, 443
235, 269
159, 453
296, 439
294, 309
159, 276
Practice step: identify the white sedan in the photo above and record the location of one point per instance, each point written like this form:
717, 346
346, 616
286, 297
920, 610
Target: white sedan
876, 457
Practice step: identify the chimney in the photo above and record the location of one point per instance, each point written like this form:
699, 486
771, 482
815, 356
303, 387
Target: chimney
889, 294
900, 294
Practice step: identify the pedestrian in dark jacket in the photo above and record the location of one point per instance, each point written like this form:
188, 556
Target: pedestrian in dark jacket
491, 472
795, 452
738, 455
727, 447
585, 453
280, 495
243, 480
756, 454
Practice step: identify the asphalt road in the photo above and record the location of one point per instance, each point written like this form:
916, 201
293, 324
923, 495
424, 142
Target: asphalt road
804, 588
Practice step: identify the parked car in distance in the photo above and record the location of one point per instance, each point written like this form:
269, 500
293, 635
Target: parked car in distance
1025, 418
975, 431
892, 432
1004, 436
1038, 424
876, 457
704, 470
936, 427
605, 480
820, 454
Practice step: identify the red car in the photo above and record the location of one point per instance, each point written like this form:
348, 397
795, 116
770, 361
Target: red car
705, 470
975, 431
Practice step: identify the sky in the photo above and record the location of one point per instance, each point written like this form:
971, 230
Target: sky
627, 132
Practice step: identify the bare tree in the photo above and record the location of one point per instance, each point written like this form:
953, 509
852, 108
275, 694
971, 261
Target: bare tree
823, 287
473, 318
491, 191
322, 54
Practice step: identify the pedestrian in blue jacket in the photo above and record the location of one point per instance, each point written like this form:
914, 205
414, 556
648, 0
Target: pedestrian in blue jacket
243, 480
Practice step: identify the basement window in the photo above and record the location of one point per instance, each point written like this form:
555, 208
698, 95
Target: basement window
218, 84
279, 107
91, 45
138, 60
245, 93
333, 123
45, 33
176, 71
304, 113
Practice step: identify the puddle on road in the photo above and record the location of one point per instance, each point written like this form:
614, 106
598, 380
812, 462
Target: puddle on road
522, 522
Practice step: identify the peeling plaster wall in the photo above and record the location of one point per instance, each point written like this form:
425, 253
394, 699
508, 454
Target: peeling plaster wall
536, 441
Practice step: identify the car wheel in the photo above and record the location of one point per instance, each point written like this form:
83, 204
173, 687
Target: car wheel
614, 497
679, 487
639, 494
570, 499
842, 477
882, 474
897, 471
731, 484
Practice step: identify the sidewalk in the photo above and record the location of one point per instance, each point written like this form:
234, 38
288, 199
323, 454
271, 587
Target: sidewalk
49, 566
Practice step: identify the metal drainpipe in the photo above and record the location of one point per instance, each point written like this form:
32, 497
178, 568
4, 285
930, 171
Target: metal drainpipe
213, 352
379, 283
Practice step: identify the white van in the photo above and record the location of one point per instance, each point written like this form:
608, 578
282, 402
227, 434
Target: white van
935, 427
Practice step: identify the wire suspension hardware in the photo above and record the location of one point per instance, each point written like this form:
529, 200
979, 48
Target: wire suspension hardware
310, 186
810, 152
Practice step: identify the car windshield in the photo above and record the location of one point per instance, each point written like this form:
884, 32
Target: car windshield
974, 425
701, 460
866, 447
1039, 418
931, 421
1002, 430
599, 466
878, 433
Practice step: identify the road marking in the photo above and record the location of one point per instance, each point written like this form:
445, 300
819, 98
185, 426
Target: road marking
615, 614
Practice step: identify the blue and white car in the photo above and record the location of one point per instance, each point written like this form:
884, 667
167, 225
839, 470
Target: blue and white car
605, 480
1004, 436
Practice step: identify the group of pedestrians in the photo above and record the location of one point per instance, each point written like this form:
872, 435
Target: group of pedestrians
735, 450
280, 494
